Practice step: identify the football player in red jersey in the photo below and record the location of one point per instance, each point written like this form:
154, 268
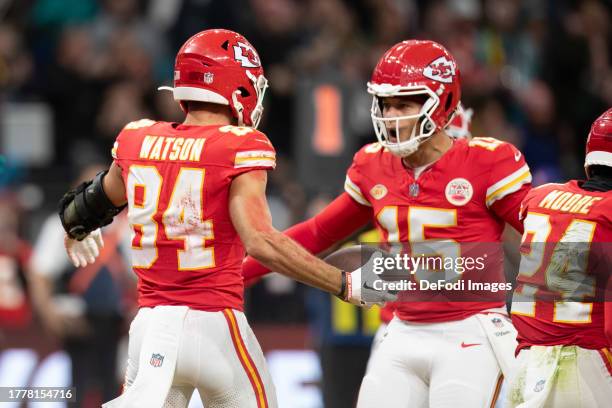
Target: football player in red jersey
459, 127
195, 193
420, 186
561, 307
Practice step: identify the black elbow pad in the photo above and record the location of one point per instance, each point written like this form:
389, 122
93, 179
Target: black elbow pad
86, 208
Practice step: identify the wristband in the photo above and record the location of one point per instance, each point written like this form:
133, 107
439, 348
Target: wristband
342, 294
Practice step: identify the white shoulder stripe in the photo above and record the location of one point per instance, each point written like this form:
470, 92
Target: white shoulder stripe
255, 153
355, 192
255, 158
255, 162
508, 185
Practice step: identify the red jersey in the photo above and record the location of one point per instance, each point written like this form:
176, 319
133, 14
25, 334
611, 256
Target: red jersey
185, 249
464, 197
563, 262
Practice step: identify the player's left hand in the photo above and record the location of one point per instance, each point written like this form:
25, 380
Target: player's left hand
82, 253
360, 289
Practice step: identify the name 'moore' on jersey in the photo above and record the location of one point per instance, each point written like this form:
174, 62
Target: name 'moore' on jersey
185, 249
565, 266
466, 196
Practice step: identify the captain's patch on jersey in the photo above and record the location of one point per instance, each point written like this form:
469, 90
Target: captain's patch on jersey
459, 191
378, 191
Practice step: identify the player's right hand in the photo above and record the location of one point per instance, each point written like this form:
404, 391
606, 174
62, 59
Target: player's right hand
360, 285
84, 252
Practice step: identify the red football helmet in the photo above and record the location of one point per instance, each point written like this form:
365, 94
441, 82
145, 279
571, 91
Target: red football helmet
221, 66
599, 142
460, 126
415, 68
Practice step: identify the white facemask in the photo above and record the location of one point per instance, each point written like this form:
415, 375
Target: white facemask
424, 127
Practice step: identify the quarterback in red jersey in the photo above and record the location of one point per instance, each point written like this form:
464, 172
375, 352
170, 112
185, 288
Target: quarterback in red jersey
420, 186
460, 127
196, 201
560, 307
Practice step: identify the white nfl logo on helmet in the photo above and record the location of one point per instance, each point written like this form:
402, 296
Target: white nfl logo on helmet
441, 69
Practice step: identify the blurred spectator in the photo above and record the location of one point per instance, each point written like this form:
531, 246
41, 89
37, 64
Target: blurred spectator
394, 20
540, 138
576, 64
73, 87
507, 45
15, 62
122, 103
197, 15
86, 307
123, 18
15, 311
56, 14
491, 120
278, 29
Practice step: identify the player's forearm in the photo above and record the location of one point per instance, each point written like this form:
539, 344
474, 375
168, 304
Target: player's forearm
281, 254
303, 233
337, 221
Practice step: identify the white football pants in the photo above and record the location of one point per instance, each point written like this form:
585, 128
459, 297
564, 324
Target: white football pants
437, 365
218, 354
561, 377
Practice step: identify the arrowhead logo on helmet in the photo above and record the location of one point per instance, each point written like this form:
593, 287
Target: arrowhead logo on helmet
246, 55
441, 69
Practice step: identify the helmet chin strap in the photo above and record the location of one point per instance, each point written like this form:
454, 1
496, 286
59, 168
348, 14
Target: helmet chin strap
237, 107
412, 145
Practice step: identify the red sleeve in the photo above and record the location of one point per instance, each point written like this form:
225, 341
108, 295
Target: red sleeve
508, 209
338, 220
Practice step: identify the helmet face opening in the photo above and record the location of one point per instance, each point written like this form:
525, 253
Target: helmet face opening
423, 128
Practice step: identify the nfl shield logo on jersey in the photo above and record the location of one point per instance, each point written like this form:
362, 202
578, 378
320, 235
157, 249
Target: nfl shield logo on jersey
156, 360
497, 322
413, 190
209, 77
459, 191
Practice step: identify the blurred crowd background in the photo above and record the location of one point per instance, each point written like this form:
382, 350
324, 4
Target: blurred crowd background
74, 72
